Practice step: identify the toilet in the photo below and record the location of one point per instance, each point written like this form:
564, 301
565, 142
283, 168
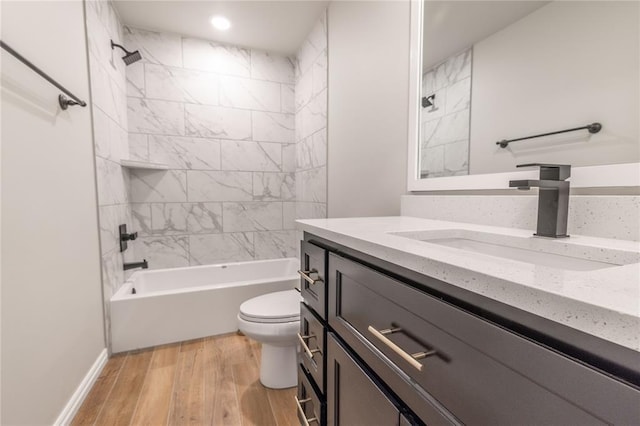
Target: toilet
274, 320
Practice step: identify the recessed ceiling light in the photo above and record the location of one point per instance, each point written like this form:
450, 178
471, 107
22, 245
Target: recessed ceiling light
220, 23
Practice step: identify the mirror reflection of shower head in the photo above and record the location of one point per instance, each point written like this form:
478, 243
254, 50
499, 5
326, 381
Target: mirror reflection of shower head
129, 57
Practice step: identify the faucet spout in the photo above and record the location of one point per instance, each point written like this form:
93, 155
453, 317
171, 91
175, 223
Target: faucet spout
144, 265
542, 184
553, 198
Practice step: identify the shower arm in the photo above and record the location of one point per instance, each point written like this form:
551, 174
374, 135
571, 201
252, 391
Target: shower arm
121, 47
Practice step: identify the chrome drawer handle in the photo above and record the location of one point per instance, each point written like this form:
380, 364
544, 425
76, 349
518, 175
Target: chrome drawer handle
299, 403
308, 351
307, 278
410, 358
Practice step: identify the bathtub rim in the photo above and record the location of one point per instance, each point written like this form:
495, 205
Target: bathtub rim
124, 292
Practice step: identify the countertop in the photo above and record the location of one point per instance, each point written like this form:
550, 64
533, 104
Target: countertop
603, 302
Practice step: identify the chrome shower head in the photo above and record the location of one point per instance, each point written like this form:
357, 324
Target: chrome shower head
129, 57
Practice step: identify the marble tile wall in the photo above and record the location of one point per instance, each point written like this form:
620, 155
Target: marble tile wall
223, 118
311, 125
109, 110
444, 149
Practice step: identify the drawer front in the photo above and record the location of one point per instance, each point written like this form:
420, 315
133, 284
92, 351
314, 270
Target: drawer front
352, 396
311, 408
419, 353
313, 260
312, 349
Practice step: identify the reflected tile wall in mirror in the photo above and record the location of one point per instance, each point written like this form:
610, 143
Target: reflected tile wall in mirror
444, 125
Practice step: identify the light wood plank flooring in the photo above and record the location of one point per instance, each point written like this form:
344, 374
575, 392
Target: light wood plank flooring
210, 381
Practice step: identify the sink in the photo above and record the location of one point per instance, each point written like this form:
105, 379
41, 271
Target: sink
560, 254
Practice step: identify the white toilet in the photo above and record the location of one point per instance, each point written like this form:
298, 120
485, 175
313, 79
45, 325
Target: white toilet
274, 320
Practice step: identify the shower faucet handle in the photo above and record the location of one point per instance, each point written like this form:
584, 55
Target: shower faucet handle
124, 236
129, 237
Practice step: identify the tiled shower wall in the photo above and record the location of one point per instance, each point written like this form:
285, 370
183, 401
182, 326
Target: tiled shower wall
109, 109
223, 118
444, 149
311, 124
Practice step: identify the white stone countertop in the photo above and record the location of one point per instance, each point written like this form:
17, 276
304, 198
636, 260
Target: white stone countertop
603, 302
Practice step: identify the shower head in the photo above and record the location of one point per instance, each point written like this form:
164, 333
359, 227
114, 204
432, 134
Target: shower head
129, 57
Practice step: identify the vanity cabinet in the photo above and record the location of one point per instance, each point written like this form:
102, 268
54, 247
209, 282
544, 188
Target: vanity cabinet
398, 353
312, 345
313, 260
312, 336
355, 399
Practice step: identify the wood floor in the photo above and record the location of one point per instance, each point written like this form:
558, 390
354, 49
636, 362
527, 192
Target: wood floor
210, 381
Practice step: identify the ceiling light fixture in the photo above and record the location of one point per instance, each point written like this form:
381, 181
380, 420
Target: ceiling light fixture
220, 23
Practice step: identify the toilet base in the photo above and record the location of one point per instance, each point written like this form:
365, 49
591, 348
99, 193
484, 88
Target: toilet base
278, 366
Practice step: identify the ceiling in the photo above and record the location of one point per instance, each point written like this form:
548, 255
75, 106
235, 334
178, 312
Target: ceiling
452, 26
275, 26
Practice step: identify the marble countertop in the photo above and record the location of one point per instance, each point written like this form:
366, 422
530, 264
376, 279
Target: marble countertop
603, 302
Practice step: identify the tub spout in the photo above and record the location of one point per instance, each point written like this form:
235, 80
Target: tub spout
144, 265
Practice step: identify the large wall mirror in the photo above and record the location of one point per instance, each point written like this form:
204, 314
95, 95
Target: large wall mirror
489, 71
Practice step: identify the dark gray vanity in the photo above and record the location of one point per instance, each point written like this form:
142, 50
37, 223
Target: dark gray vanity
385, 345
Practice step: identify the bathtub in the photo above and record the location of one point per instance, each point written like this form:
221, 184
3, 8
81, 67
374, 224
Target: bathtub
171, 305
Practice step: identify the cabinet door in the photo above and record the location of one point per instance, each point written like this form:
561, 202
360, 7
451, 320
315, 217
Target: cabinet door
313, 260
352, 396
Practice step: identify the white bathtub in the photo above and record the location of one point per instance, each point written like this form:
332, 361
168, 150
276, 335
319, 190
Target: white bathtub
171, 305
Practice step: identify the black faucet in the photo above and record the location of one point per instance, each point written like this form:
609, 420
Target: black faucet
144, 265
553, 198
124, 236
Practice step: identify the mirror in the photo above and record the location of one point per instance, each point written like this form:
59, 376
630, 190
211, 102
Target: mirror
502, 70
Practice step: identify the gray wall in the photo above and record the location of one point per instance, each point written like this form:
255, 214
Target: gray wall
368, 100
52, 331
565, 65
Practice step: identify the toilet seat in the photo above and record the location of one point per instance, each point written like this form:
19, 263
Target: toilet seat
278, 307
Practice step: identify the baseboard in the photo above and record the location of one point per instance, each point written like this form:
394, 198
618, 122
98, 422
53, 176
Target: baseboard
74, 403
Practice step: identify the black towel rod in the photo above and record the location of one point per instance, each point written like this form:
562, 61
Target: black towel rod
593, 128
62, 100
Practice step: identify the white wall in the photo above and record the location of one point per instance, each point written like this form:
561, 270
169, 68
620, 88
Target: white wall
368, 99
565, 65
52, 329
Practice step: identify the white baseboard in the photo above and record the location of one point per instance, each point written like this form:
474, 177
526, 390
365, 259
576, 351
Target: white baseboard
74, 403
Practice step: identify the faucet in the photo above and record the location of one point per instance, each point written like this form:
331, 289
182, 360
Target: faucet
144, 265
553, 198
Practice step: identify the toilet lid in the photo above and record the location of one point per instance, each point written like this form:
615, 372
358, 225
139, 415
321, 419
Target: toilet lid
281, 306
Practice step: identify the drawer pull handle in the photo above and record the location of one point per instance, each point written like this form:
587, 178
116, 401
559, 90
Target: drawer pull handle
299, 403
410, 358
308, 351
307, 278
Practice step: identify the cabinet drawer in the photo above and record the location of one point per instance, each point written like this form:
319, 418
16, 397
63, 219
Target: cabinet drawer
311, 408
352, 396
312, 346
313, 260
480, 373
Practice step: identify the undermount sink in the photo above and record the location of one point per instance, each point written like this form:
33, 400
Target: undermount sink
559, 254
